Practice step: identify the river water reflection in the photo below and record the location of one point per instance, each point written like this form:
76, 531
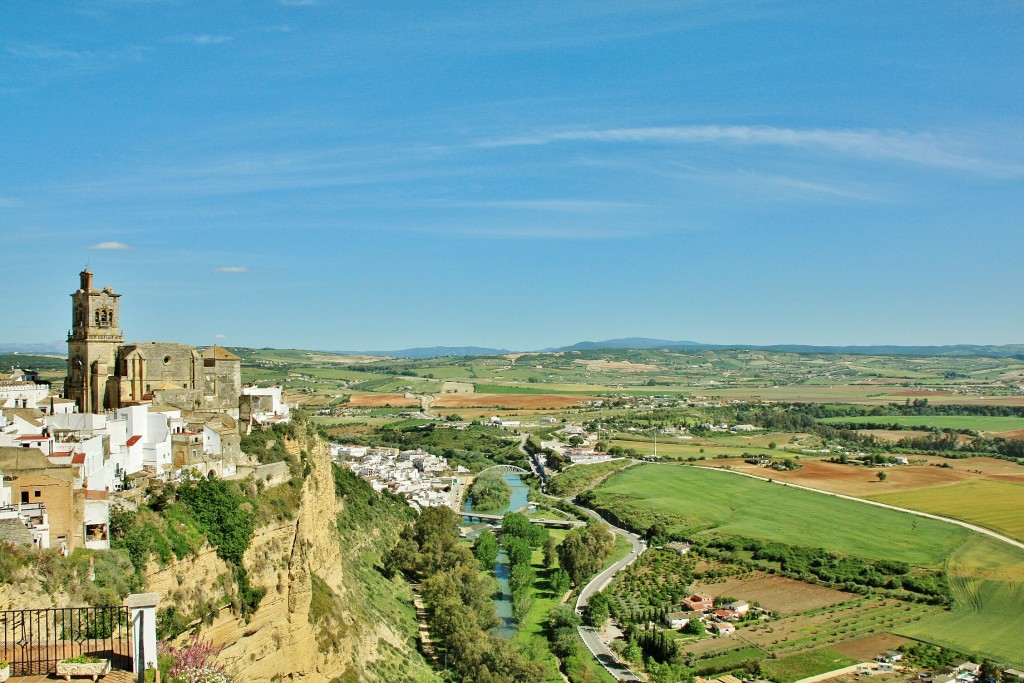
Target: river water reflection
503, 601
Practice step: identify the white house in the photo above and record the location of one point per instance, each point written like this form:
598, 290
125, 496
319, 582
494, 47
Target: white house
267, 406
677, 620
738, 606
723, 628
17, 392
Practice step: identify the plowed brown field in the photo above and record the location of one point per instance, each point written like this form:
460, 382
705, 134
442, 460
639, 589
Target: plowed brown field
775, 593
854, 480
866, 649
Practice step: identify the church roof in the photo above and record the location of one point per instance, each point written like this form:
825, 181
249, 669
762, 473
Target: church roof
219, 353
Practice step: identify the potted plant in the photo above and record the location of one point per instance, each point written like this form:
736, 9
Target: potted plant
5, 670
83, 665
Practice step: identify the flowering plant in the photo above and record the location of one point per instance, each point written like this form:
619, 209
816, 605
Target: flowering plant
196, 662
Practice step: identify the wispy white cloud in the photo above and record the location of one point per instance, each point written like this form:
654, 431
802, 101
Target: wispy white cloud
783, 188
219, 336
555, 205
43, 52
917, 148
110, 246
208, 39
231, 269
541, 230
36, 51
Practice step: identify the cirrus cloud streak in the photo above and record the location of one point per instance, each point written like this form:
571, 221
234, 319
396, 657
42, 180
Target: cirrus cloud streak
917, 148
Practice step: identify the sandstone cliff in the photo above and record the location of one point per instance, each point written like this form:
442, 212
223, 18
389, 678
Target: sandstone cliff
328, 615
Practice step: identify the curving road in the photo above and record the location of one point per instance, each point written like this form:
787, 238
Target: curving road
928, 515
591, 637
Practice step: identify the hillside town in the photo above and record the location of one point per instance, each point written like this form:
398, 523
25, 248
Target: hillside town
424, 479
128, 414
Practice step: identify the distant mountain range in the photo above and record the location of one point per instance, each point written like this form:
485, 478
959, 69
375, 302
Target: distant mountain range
431, 352
1002, 351
995, 351
57, 348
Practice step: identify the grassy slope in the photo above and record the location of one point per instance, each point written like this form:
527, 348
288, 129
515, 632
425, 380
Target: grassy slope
696, 499
987, 576
996, 505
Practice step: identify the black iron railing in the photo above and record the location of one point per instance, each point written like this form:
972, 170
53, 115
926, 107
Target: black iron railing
34, 640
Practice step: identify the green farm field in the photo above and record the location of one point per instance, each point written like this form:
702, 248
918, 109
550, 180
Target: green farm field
995, 505
796, 667
692, 499
676, 449
987, 575
978, 423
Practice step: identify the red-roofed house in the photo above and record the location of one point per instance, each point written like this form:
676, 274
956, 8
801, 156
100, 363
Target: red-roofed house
698, 602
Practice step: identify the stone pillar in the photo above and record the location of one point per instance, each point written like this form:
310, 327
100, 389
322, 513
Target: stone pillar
143, 615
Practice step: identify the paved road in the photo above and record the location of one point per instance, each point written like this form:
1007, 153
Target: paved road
590, 636
535, 463
940, 518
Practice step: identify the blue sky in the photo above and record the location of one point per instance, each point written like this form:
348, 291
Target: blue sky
344, 175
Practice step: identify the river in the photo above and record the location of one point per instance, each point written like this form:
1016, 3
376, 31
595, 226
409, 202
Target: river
503, 601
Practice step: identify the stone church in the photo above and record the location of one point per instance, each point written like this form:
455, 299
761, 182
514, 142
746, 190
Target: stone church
104, 373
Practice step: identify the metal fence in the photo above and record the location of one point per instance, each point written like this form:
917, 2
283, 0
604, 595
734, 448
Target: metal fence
34, 640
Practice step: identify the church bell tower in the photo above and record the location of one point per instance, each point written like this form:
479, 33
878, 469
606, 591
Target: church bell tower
93, 344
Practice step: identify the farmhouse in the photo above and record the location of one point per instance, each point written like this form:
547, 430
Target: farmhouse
739, 607
723, 628
698, 602
677, 620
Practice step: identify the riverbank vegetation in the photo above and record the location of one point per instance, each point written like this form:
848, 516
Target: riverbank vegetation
460, 611
574, 480
490, 492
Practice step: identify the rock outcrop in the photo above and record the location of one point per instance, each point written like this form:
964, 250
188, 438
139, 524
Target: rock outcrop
297, 561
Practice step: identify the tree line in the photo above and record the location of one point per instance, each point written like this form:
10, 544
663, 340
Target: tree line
460, 611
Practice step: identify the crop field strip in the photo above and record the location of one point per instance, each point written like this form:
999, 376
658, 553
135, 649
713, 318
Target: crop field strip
995, 505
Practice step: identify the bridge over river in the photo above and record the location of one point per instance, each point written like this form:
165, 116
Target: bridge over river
477, 516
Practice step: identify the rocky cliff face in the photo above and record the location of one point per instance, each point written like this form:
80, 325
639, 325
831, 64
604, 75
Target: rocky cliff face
327, 615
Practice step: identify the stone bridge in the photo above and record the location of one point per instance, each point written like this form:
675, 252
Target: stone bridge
504, 469
496, 519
